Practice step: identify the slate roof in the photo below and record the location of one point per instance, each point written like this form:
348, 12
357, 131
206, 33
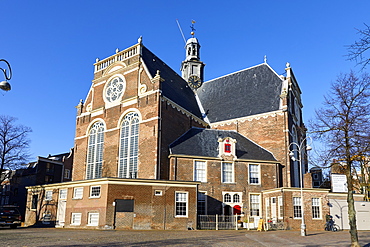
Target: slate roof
204, 142
174, 86
248, 92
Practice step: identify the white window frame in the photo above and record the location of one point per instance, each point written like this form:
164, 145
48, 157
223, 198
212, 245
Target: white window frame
236, 198
253, 203
254, 174
158, 192
76, 219
200, 171
95, 151
316, 208
48, 195
63, 194
232, 195
93, 219
129, 146
280, 207
267, 206
93, 191
297, 207
227, 198
224, 173
78, 192
180, 200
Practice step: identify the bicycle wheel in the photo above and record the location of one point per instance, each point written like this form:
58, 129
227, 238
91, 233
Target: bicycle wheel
335, 228
281, 226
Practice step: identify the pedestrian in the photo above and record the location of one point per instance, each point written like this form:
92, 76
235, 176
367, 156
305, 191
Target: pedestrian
329, 222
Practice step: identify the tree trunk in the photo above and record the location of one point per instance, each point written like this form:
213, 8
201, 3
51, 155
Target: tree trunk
351, 209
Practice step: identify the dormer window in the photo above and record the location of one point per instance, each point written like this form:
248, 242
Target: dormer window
227, 147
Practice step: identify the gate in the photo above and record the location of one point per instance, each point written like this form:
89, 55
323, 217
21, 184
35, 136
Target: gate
218, 222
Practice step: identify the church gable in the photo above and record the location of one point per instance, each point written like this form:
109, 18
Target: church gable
245, 93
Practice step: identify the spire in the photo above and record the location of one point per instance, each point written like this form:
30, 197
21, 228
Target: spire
192, 68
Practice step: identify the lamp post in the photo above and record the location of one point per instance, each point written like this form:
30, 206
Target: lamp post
4, 85
300, 147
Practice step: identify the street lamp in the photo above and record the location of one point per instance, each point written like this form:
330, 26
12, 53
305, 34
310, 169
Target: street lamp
300, 147
4, 85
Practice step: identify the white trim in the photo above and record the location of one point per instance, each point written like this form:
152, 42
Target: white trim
63, 193
232, 172
91, 191
300, 204
280, 206
123, 115
158, 192
48, 195
259, 173
186, 201
77, 189
92, 123
118, 181
76, 219
92, 219
195, 170
320, 208
119, 99
259, 206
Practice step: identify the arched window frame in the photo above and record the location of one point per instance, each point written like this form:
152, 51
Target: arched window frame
95, 149
236, 198
129, 146
227, 198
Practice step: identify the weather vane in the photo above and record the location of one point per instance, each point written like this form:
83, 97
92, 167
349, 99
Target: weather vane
192, 27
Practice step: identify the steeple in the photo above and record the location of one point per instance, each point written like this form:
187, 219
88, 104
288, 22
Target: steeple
192, 68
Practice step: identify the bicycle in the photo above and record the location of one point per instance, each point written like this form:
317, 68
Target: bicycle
331, 227
276, 226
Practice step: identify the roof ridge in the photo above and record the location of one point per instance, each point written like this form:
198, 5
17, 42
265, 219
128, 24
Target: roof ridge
236, 72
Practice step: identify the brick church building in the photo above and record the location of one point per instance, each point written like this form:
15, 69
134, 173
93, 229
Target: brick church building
155, 149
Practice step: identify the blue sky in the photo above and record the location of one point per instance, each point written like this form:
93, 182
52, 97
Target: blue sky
52, 46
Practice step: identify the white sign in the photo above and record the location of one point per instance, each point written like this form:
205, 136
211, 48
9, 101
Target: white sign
339, 183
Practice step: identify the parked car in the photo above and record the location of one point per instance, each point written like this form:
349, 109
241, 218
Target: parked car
10, 216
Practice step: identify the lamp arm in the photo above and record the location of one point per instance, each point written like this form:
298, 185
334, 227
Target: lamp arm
7, 77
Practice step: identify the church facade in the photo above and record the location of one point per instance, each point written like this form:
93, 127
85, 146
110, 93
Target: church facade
153, 149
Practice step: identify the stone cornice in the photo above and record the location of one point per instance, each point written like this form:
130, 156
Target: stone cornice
184, 111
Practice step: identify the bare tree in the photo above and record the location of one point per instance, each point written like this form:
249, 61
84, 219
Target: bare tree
360, 50
14, 144
342, 124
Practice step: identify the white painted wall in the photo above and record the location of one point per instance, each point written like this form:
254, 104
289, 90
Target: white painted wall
339, 211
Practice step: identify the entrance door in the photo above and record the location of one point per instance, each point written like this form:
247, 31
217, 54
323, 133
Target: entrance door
61, 214
62, 202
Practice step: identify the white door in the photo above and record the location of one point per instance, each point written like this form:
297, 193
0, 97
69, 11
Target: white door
273, 208
62, 202
61, 214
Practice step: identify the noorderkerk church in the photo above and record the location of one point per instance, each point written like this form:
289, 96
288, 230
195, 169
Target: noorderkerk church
156, 150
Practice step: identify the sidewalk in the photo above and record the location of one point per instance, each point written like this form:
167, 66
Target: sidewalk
32, 237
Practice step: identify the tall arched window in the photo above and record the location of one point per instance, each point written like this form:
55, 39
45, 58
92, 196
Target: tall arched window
95, 151
128, 156
296, 169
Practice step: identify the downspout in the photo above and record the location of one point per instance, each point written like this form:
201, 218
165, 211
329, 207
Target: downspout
159, 136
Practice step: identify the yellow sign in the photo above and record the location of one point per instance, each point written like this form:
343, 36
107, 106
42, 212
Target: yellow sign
260, 225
